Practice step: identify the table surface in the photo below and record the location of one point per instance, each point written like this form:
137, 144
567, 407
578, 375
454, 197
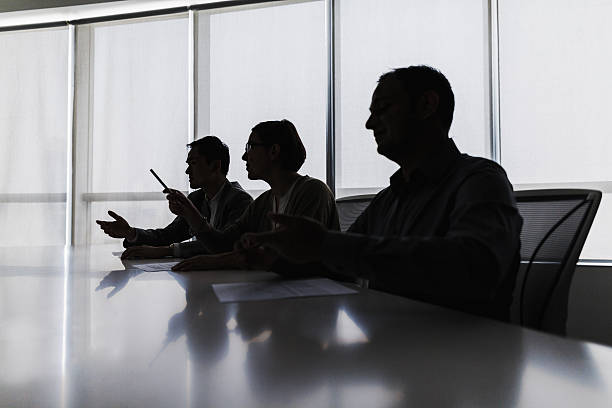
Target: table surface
81, 329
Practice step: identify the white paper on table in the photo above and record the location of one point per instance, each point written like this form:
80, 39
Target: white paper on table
156, 267
250, 291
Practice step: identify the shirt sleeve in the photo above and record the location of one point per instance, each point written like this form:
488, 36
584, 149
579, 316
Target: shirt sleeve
190, 248
218, 241
316, 201
469, 261
177, 231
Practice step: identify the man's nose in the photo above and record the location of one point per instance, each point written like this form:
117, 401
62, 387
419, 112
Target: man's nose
370, 122
187, 170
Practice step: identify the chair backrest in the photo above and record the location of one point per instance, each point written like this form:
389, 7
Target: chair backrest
349, 208
556, 223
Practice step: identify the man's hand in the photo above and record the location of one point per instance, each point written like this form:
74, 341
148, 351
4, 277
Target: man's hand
299, 239
228, 260
180, 205
145, 251
118, 228
257, 257
117, 280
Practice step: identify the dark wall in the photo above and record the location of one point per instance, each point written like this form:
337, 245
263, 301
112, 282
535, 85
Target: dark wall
590, 304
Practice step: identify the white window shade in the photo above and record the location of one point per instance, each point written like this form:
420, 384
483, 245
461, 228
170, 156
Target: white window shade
374, 37
139, 105
555, 84
137, 102
33, 133
263, 64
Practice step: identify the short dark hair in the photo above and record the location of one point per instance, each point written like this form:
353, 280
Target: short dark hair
212, 148
283, 133
420, 78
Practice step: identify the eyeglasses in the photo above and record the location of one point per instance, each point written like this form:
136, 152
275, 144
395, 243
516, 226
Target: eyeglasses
250, 145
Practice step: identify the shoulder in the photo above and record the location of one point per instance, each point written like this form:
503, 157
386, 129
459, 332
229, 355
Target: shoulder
311, 185
484, 178
474, 165
237, 192
196, 196
263, 199
382, 196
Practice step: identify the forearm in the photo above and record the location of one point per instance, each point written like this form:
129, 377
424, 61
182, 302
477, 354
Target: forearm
176, 231
191, 248
437, 267
218, 241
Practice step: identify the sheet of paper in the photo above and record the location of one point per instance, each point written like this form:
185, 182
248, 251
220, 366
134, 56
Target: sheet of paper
156, 267
250, 291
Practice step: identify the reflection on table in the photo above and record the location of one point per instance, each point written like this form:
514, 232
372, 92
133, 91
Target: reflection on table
81, 328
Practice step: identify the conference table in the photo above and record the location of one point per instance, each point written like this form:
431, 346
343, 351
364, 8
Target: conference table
81, 328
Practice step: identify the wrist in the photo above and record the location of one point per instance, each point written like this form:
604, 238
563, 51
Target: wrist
167, 250
132, 235
175, 250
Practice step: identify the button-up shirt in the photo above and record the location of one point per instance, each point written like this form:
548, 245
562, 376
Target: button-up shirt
449, 235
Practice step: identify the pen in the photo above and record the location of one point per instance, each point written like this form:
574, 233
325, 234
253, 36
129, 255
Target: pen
158, 179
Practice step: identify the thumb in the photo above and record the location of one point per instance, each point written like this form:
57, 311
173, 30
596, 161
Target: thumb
115, 216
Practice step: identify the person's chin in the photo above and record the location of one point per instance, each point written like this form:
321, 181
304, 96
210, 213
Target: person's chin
251, 176
381, 148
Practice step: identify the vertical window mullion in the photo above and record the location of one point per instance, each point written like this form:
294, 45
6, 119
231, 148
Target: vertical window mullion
494, 78
70, 137
331, 114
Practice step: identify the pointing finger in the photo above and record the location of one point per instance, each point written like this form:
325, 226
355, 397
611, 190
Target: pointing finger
115, 215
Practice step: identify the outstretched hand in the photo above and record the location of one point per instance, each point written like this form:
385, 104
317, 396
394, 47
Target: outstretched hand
297, 238
116, 229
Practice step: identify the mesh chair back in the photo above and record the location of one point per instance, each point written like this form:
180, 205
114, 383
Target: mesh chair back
349, 208
555, 226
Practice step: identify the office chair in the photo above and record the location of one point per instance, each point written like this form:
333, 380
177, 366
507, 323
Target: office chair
349, 208
556, 223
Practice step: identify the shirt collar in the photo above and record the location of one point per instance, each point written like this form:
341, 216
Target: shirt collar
217, 196
430, 170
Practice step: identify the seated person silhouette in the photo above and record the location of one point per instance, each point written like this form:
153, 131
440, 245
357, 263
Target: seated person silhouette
216, 199
274, 153
446, 230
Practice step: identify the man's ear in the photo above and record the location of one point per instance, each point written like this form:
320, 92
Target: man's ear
428, 104
215, 165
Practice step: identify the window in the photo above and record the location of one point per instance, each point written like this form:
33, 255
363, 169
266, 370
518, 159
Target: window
33, 129
371, 39
554, 87
268, 61
263, 64
137, 119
